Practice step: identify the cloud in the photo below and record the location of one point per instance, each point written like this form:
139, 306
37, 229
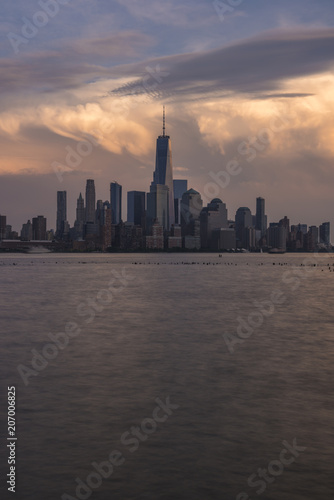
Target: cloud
258, 64
71, 64
116, 46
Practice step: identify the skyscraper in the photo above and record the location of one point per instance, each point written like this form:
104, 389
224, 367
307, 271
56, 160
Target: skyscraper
3, 223
276, 236
90, 202
260, 216
80, 209
61, 214
192, 205
243, 219
136, 207
116, 202
39, 228
212, 217
324, 231
78, 231
163, 174
26, 231
158, 206
180, 187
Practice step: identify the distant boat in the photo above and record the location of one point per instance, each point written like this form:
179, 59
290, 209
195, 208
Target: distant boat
276, 250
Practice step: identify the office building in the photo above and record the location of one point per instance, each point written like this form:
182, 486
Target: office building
163, 174
136, 208
90, 202
191, 207
61, 226
3, 223
26, 231
39, 228
324, 234
213, 216
158, 206
78, 230
116, 202
276, 236
261, 224
180, 186
243, 220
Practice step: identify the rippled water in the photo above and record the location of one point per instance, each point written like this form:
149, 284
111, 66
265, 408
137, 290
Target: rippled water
164, 335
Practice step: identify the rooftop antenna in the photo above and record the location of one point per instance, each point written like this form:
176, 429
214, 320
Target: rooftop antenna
164, 123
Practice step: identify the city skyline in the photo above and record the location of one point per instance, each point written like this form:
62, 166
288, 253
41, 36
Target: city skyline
200, 226
162, 202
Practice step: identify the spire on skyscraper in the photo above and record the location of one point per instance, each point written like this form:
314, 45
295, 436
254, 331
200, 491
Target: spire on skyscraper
164, 123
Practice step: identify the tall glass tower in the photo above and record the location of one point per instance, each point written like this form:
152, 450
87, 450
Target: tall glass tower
116, 202
260, 216
163, 174
90, 201
136, 207
61, 213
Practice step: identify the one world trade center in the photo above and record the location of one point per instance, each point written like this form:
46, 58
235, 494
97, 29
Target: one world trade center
163, 174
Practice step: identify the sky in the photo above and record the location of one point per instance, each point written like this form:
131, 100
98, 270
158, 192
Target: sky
247, 85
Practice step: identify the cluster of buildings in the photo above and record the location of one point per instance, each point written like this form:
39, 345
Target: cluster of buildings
169, 217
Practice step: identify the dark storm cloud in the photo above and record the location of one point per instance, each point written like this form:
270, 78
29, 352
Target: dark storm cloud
258, 64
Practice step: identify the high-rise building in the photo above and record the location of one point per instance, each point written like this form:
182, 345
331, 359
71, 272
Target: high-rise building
243, 219
260, 216
90, 202
136, 207
213, 216
104, 219
61, 214
324, 233
163, 174
191, 207
78, 230
3, 223
158, 206
180, 187
116, 202
276, 236
80, 213
26, 231
39, 228
312, 239
101, 212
